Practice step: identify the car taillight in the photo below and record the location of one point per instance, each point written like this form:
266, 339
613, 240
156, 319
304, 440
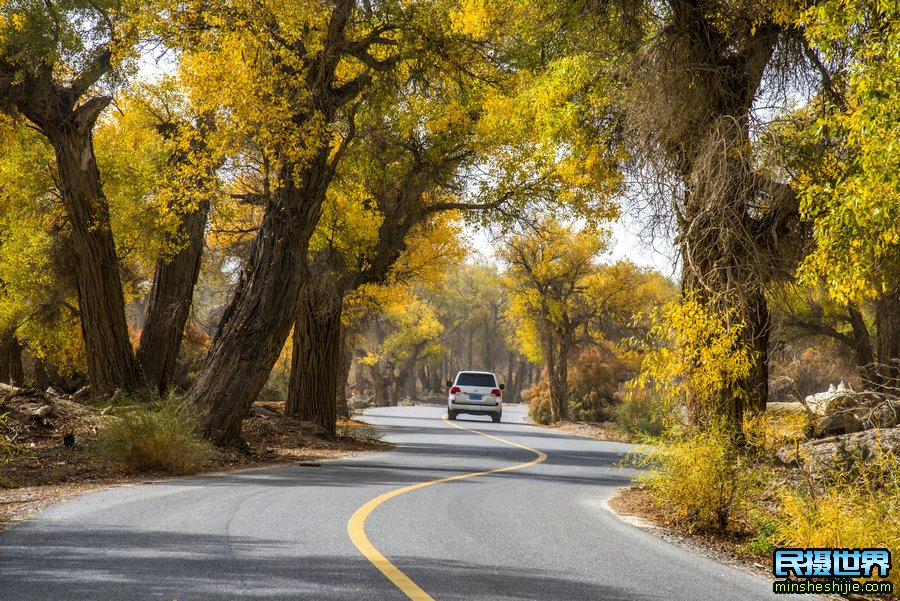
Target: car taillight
455, 390
496, 392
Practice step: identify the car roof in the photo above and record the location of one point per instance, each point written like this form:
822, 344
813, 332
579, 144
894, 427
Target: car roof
475, 371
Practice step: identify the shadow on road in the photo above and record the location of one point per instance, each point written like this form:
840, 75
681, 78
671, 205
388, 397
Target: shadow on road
170, 565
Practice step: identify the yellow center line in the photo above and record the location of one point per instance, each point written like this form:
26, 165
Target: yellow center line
356, 527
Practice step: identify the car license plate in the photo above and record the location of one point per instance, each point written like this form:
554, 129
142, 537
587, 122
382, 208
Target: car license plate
474, 397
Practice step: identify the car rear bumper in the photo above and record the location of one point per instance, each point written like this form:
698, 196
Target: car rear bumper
474, 409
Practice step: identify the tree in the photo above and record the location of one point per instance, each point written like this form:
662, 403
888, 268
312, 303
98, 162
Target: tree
185, 193
849, 190
440, 144
53, 61
558, 293
289, 76
693, 103
405, 331
38, 301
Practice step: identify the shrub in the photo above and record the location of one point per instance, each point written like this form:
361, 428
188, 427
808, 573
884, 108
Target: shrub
764, 539
838, 515
594, 378
768, 431
160, 437
702, 479
538, 399
694, 356
643, 414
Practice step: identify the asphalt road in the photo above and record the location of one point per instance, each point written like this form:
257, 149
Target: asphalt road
541, 532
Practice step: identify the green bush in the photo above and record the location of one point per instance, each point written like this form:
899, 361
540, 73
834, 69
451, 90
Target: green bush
159, 437
643, 414
702, 479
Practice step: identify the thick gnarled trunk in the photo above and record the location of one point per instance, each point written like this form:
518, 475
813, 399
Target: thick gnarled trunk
110, 356
258, 320
316, 365
170, 301
346, 364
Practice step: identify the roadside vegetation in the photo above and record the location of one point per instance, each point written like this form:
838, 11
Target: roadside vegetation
307, 209
160, 436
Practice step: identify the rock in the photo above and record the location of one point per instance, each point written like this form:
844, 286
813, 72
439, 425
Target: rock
82, 392
837, 423
9, 388
821, 456
51, 391
788, 408
816, 403
43, 411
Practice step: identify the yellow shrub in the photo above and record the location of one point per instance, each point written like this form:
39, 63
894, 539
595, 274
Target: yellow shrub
694, 356
769, 431
841, 516
702, 480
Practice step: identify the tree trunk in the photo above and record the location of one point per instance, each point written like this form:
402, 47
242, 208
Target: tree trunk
557, 358
11, 370
346, 364
170, 301
862, 347
395, 386
316, 365
256, 324
757, 384
380, 393
110, 356
887, 317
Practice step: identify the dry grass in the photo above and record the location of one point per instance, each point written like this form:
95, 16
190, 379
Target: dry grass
47, 471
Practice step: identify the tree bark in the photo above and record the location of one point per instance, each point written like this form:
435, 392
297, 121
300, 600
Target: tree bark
757, 384
11, 370
862, 342
557, 359
259, 317
346, 364
316, 366
170, 301
887, 317
110, 356
380, 392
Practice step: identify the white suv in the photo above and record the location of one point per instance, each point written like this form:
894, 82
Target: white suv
477, 393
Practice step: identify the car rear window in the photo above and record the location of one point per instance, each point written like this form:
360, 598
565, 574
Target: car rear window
485, 380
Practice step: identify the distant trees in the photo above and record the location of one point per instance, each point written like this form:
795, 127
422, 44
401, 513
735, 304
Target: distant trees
563, 299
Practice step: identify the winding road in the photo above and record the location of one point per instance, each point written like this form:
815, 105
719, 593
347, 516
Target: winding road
459, 510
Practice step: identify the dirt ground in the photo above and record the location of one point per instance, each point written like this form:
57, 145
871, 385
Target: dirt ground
54, 462
596, 430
